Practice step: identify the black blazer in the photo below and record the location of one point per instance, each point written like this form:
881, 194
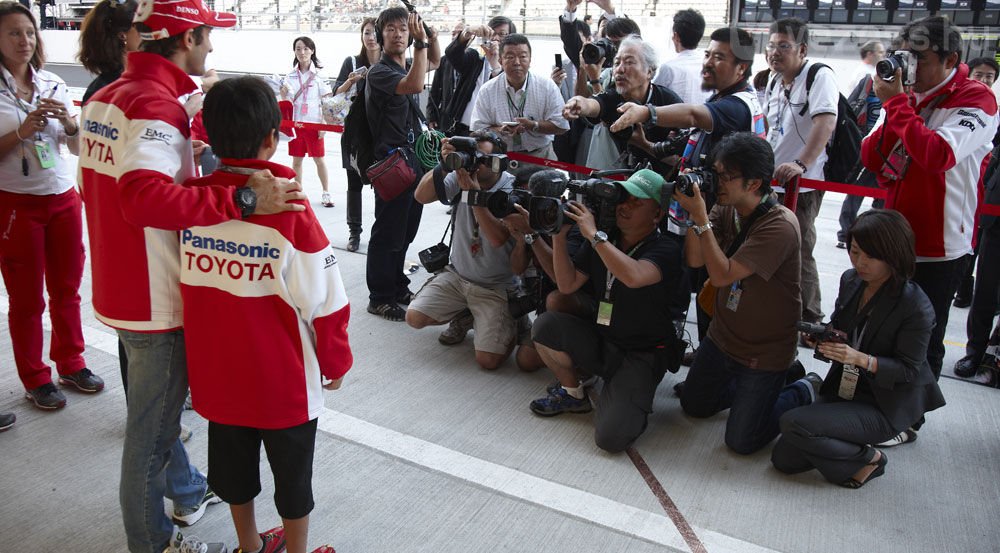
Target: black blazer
898, 331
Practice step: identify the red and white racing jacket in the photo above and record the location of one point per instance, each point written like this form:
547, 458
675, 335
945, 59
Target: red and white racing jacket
135, 146
265, 312
948, 140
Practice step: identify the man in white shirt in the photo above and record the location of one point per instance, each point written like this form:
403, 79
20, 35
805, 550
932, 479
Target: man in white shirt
871, 52
525, 109
801, 123
682, 74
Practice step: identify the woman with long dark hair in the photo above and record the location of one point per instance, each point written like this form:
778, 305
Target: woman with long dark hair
106, 36
880, 383
351, 82
41, 244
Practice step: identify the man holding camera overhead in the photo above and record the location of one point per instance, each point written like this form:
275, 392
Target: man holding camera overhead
929, 149
474, 285
630, 342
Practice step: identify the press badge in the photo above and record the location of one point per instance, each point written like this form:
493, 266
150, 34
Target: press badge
848, 382
45, 156
733, 301
604, 313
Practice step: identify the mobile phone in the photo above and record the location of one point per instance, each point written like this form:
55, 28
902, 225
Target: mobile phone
360, 71
509, 123
558, 61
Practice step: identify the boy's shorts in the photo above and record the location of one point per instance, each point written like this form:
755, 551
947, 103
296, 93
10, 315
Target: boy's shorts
234, 465
307, 142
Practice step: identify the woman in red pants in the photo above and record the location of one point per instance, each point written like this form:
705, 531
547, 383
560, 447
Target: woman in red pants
41, 232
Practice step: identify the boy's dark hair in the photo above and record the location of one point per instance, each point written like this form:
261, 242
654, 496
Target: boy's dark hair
239, 113
499, 20
167, 47
935, 33
886, 235
101, 48
514, 39
793, 27
582, 28
10, 8
742, 47
308, 42
992, 63
621, 27
486, 135
690, 27
748, 154
389, 15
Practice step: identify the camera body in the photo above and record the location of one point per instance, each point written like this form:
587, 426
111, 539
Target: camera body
822, 333
602, 48
702, 176
900, 59
501, 204
467, 156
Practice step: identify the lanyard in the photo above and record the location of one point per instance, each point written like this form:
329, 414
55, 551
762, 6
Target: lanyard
518, 111
610, 280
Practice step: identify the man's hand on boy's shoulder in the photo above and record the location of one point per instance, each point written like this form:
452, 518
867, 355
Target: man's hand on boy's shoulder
275, 195
332, 384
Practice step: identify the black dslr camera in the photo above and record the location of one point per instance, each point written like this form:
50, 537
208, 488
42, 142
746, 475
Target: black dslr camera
822, 333
500, 203
603, 48
547, 214
900, 59
467, 156
703, 177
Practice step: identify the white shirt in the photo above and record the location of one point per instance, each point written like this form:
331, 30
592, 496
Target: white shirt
308, 106
498, 102
682, 74
789, 130
863, 70
484, 77
38, 182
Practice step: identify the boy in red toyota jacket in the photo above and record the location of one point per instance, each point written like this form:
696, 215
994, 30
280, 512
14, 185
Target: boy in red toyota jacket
266, 317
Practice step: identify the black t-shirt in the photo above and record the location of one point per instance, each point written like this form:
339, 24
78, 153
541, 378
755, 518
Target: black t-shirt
729, 115
641, 318
392, 121
102, 80
610, 101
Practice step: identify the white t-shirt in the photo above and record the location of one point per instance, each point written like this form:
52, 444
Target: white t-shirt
789, 130
682, 74
308, 106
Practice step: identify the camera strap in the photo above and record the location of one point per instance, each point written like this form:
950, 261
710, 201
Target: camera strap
762, 208
610, 279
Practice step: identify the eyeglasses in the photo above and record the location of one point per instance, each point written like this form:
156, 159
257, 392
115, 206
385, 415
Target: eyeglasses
783, 46
726, 178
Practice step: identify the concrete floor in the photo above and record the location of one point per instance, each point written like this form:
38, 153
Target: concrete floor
423, 451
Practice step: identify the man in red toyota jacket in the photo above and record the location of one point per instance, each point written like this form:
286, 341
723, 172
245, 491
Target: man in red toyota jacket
136, 147
930, 148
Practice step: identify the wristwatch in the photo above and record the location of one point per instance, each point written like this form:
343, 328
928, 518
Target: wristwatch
599, 236
419, 44
701, 229
530, 238
652, 113
246, 200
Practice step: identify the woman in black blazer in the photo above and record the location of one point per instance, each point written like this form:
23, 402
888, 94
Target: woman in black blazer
880, 382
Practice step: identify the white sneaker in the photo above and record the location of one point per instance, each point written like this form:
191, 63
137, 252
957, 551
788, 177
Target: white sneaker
186, 433
326, 201
180, 544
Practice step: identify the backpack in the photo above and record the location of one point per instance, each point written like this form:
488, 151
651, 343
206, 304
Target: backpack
357, 139
843, 151
858, 99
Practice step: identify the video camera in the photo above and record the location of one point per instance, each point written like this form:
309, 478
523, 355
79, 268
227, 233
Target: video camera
702, 176
900, 59
467, 156
822, 333
602, 48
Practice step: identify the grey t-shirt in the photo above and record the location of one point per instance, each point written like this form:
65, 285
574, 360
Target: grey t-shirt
476, 260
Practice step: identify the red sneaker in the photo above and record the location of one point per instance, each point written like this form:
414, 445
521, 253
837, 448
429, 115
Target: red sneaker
324, 549
274, 541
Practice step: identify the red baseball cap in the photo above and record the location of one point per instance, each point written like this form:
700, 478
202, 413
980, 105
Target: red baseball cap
169, 18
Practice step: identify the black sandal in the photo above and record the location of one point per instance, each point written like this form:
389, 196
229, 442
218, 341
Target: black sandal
879, 471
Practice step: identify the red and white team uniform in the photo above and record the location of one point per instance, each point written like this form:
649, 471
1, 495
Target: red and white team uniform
265, 313
134, 145
947, 133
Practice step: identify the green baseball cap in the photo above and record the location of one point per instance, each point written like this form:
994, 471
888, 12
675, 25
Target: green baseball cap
646, 184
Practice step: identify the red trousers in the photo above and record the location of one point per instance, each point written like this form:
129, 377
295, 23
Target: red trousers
41, 240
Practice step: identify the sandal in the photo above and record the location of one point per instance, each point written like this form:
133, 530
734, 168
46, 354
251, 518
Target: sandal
388, 311
879, 471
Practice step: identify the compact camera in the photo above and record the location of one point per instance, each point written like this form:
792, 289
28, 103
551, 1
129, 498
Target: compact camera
603, 48
467, 156
818, 332
900, 59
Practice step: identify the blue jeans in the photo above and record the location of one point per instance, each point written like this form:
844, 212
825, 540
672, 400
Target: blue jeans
154, 462
756, 399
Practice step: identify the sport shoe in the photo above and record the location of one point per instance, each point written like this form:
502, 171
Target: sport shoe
588, 382
560, 402
815, 382
907, 436
274, 542
326, 201
324, 549
966, 367
180, 544
6, 421
353, 243
457, 329
46, 396
84, 380
388, 311
186, 516
405, 298
188, 405
186, 433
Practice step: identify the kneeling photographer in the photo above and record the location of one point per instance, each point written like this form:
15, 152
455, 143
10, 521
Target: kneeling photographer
635, 274
480, 272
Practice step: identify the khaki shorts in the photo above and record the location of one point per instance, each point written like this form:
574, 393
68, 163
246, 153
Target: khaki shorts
446, 294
